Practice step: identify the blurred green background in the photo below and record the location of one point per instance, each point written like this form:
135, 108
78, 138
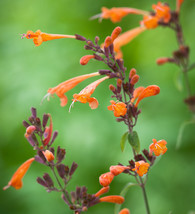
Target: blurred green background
91, 137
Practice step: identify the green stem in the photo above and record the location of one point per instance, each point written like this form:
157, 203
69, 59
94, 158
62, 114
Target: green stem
145, 196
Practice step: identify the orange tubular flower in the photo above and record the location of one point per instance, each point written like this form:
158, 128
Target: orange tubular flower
162, 12
150, 22
124, 211
136, 93
141, 167
102, 191
113, 199
159, 148
151, 90
116, 14
85, 59
85, 95
106, 178
63, 87
178, 5
16, 180
125, 38
116, 170
39, 37
119, 109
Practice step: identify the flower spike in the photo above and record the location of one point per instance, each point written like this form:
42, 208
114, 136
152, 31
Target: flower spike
16, 180
39, 37
85, 95
63, 87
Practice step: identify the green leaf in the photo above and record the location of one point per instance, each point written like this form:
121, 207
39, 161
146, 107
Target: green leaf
123, 141
134, 141
178, 79
123, 193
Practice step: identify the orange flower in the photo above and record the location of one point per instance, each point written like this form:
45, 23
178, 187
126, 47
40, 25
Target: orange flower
106, 178
141, 167
113, 199
136, 93
116, 14
116, 170
85, 95
63, 87
119, 109
16, 180
178, 5
29, 131
150, 22
151, 90
162, 12
39, 37
48, 155
159, 148
85, 59
125, 38
48, 132
102, 191
124, 211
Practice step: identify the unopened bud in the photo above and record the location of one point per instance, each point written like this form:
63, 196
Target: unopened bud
113, 199
112, 88
116, 170
48, 155
81, 38
164, 60
106, 178
30, 130
119, 83
132, 73
115, 33
85, 59
107, 42
124, 211
134, 79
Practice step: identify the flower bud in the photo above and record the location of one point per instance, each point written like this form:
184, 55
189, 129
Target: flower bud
113, 199
116, 170
134, 79
106, 178
48, 155
85, 59
163, 60
124, 211
107, 42
29, 131
102, 191
115, 33
132, 73
112, 88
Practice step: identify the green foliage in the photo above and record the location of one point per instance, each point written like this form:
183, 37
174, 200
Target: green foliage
134, 141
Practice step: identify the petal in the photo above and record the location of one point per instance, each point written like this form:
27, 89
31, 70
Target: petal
151, 90
93, 103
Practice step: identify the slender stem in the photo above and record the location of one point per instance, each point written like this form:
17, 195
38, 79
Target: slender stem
187, 82
145, 196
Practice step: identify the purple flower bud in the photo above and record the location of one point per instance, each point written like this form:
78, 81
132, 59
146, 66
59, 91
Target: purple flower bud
106, 52
52, 150
65, 199
42, 156
97, 39
34, 112
48, 180
119, 119
38, 121
39, 160
102, 72
73, 197
97, 57
55, 134
120, 63
31, 140
78, 191
111, 48
41, 182
25, 124
60, 154
45, 119
61, 170
139, 157
31, 119
73, 168
87, 47
81, 38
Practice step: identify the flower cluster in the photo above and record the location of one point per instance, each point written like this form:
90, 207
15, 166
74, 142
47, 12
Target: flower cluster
161, 15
